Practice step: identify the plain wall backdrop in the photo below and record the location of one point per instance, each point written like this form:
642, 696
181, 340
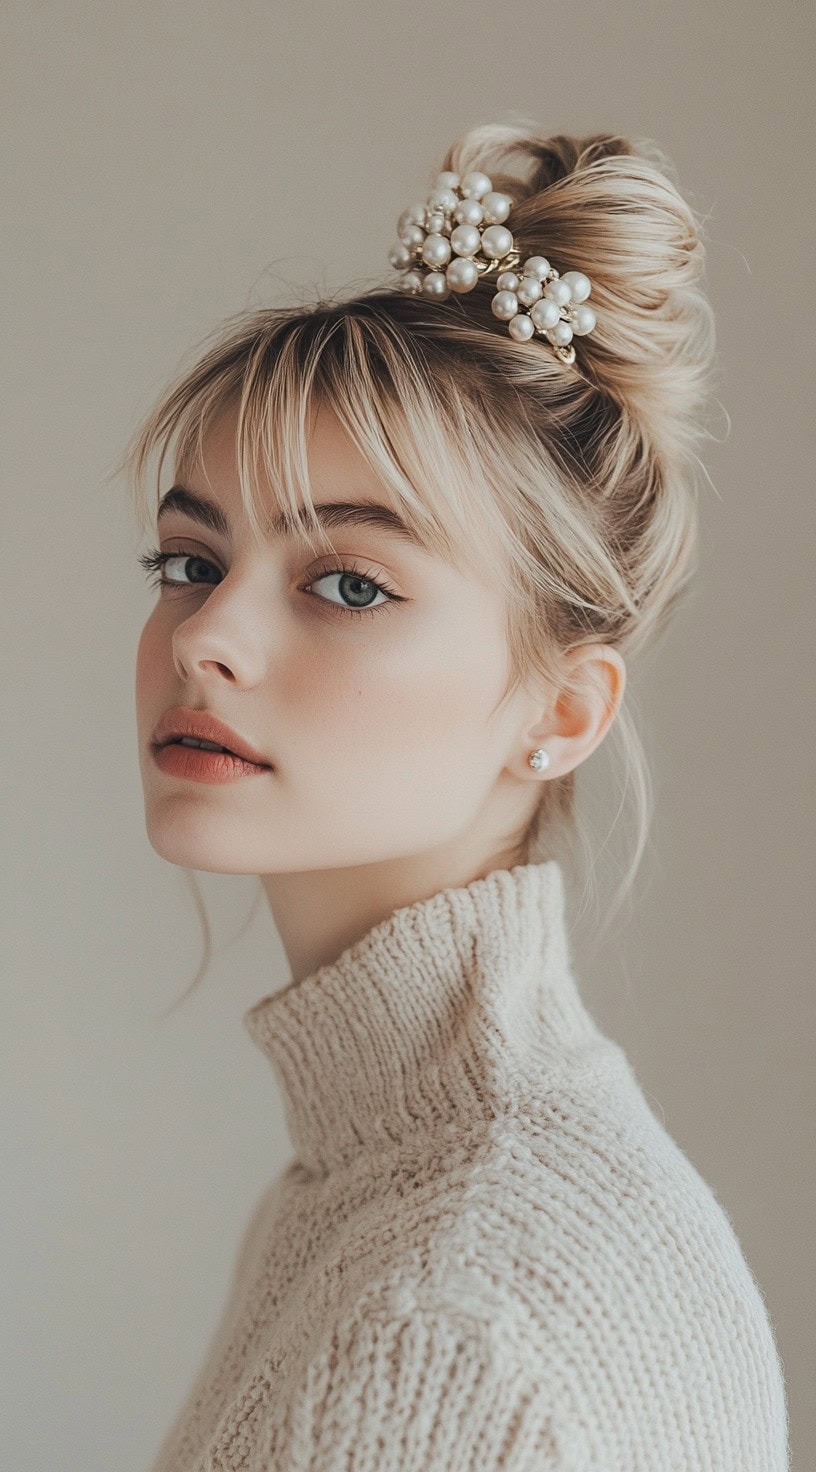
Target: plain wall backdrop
165, 167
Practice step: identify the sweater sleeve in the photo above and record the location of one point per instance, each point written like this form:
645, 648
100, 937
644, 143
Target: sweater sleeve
419, 1394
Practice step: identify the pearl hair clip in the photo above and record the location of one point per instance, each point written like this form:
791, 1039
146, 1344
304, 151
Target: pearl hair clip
459, 234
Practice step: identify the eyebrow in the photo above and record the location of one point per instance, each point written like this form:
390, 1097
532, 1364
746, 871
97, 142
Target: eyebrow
330, 514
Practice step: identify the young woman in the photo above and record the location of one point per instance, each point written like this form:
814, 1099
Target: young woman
411, 540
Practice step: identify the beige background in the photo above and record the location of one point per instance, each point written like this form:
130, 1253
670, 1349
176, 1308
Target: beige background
168, 165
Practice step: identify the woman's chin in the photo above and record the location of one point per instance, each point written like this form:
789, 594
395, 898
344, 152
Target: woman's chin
197, 843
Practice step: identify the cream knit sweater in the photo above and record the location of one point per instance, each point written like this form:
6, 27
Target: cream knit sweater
488, 1253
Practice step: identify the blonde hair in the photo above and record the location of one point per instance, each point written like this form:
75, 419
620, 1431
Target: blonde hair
573, 486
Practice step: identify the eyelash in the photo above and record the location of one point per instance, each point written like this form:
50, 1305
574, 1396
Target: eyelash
152, 562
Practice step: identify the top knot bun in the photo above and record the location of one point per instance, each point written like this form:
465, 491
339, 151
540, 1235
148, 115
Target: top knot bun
610, 208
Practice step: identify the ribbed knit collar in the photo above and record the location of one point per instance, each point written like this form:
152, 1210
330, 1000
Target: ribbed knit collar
450, 1010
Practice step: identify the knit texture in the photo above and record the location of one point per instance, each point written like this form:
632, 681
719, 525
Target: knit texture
487, 1252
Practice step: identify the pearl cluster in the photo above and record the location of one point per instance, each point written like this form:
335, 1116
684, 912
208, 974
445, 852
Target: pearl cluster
459, 233
555, 303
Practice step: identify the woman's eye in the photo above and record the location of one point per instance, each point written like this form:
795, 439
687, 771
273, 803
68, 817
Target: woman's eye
358, 590
355, 588
158, 562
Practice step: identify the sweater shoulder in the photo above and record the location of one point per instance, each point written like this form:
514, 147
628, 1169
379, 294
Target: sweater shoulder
582, 1163
584, 1184
579, 1231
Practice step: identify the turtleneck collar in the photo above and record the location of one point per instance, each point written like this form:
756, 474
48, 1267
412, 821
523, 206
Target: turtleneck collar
452, 1009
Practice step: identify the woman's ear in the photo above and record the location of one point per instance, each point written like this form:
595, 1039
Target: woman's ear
583, 707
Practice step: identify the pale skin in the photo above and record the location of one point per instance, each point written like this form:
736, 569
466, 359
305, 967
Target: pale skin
392, 774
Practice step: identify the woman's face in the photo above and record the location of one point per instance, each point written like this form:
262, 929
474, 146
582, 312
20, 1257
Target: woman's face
378, 725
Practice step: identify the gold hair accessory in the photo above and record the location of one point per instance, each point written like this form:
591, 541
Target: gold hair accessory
459, 234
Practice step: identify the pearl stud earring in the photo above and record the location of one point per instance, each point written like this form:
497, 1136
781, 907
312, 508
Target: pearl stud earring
539, 760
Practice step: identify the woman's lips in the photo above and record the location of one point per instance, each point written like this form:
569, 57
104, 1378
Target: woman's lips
199, 765
205, 725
